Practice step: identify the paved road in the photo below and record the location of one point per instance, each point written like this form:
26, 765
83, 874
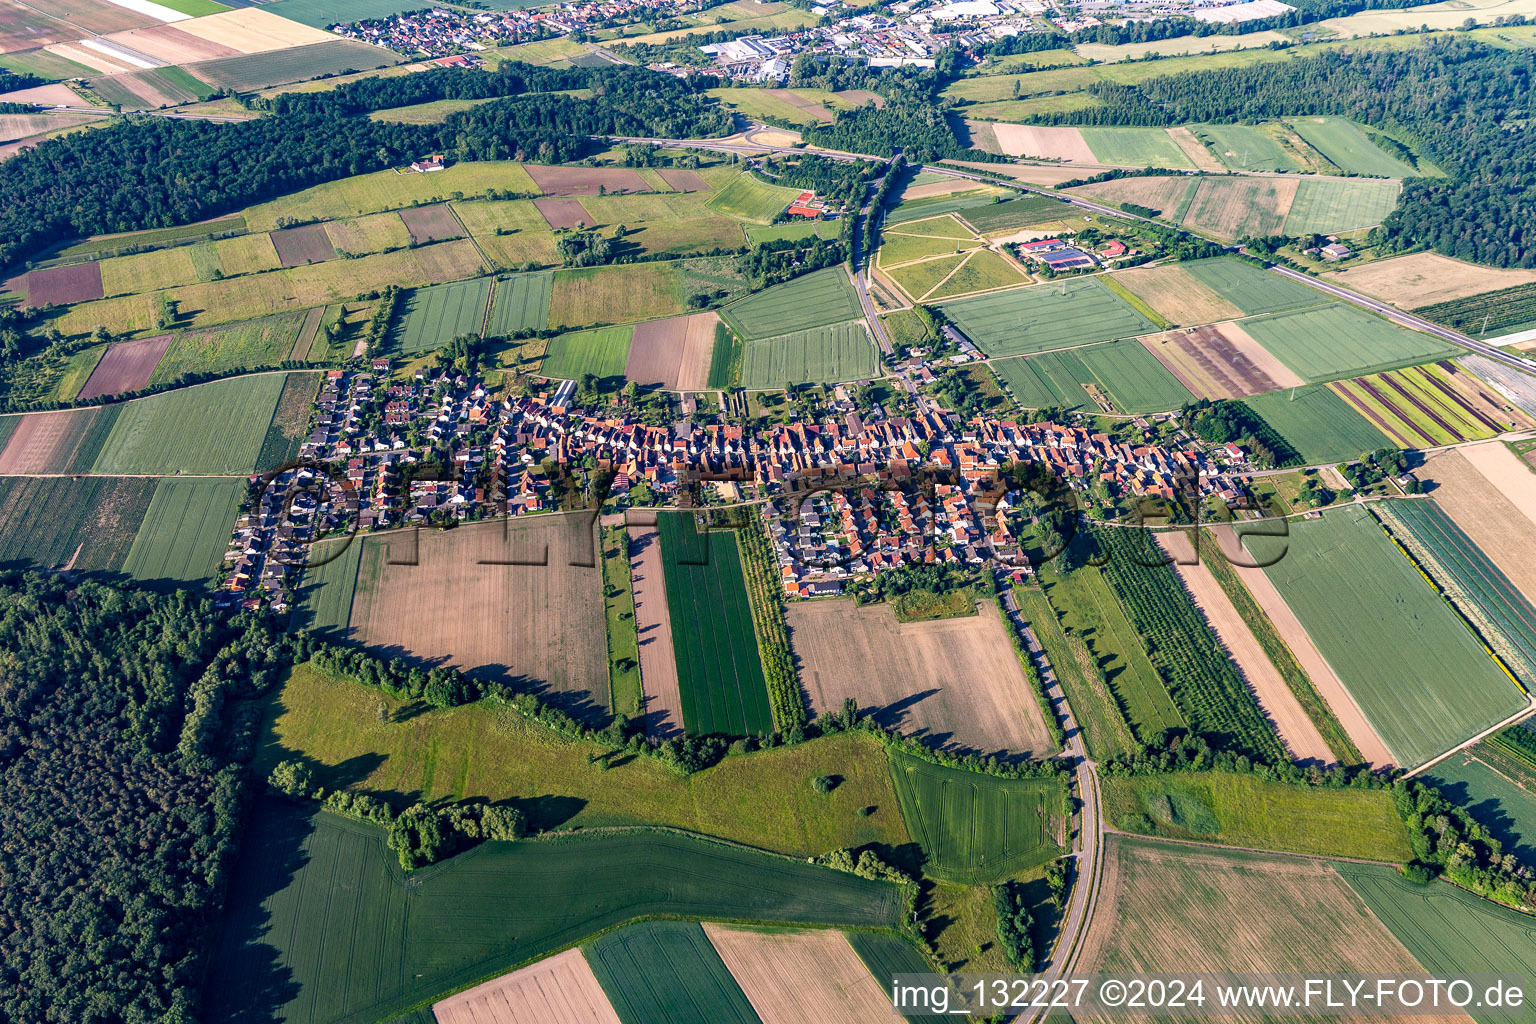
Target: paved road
860, 270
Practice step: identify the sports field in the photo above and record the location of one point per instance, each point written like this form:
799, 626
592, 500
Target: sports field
600, 352
815, 300
1424, 688
719, 669
430, 318
212, 428
751, 199
87, 523
1350, 149
1338, 340
1318, 424
1044, 317
1135, 147
186, 531
1329, 205
820, 355
319, 902
667, 972
977, 828
1250, 289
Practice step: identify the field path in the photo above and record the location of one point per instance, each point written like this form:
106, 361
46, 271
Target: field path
662, 698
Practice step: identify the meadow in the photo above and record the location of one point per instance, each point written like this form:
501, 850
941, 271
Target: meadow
600, 352
86, 522
821, 355
896, 249
751, 199
620, 294
1331, 205
1244, 810
216, 428
719, 669
430, 318
1423, 689
977, 828
1250, 289
1045, 317
1337, 340
1349, 148
511, 232
982, 270
300, 943
795, 231
666, 972
1317, 423
520, 303
185, 532
919, 278
1269, 146
250, 345
1136, 147
389, 190
814, 300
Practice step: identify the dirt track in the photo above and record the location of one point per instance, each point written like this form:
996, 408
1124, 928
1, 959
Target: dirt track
662, 704
560, 990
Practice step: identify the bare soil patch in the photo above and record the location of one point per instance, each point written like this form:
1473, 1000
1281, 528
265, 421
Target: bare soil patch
662, 703
126, 366
1424, 278
1043, 142
431, 223
298, 246
1199, 155
1490, 498
673, 353
498, 599
1259, 356
564, 213
1208, 364
1176, 294
24, 126
56, 95
1344, 708
585, 181
683, 179
861, 97
953, 683
172, 45
1296, 730
63, 285
811, 977
1164, 193
559, 990
43, 442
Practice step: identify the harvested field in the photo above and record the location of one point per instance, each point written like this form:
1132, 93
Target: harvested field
1301, 738
172, 45
500, 599
559, 990
298, 246
253, 30
1328, 684
24, 28
955, 683
1043, 143
683, 180
1169, 195
1237, 207
431, 223
564, 213
1035, 174
58, 95
1195, 150
811, 977
1425, 278
1207, 362
63, 285
673, 353
151, 88
662, 703
1176, 295
22, 126
585, 181
50, 442
936, 188
1165, 907
126, 366
1491, 496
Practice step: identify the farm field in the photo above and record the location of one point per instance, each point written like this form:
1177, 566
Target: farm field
1484, 490
1043, 143
560, 988
750, 199
1352, 590
126, 366
982, 270
213, 428
305, 244
86, 523
60, 286
667, 972
674, 353
1424, 279
389, 190
1219, 361
635, 291
1000, 218
1135, 147
57, 442
290, 422
1250, 289
505, 599
430, 318
1471, 779
185, 532
977, 828
252, 71
1425, 406
720, 672
1231, 208
802, 977
1331, 205
1176, 295
1232, 809
661, 698
252, 344
1270, 146
1337, 340
1349, 149
1318, 424
1130, 376
897, 249
942, 226
1169, 195
919, 278
815, 300
434, 223
954, 683
1044, 317
601, 352
520, 303
820, 355
1507, 311
477, 915
324, 604
797, 231
934, 206
491, 751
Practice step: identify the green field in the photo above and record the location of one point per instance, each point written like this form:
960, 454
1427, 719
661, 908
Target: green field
1250, 148
886, 956
1421, 678
252, 71
325, 597
815, 300
983, 270
216, 428
1044, 317
796, 231
933, 206
977, 828
751, 199
45, 522
430, 318
185, 532
1505, 808
1125, 371
667, 972
1329, 205
195, 8
1318, 424
1328, 342
821, 355
1245, 810
1449, 931
321, 924
1488, 313
1135, 147
719, 669
325, 13
521, 303
245, 346
1349, 148
999, 218
920, 278
897, 248
943, 226
600, 352
1250, 289
290, 422
1045, 381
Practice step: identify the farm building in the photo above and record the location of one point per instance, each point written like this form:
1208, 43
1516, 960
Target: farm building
1041, 245
1066, 259
807, 205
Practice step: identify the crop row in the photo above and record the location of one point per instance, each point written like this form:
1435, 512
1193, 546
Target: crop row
784, 696
1504, 308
